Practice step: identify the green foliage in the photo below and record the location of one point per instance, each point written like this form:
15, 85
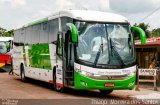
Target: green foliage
5, 33
145, 29
2, 30
156, 32
8, 33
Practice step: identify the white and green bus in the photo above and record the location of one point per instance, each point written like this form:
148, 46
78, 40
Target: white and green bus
78, 49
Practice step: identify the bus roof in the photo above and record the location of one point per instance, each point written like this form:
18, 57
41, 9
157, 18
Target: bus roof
4, 39
86, 15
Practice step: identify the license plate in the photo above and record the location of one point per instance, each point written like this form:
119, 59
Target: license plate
109, 84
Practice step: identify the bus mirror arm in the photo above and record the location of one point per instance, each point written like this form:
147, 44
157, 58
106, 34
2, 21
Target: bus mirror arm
141, 32
74, 32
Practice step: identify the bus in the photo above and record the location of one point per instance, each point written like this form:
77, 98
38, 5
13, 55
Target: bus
5, 51
78, 49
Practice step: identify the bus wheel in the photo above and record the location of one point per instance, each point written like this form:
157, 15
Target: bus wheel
57, 88
105, 92
23, 78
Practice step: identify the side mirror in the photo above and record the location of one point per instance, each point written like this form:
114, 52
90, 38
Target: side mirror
74, 32
141, 33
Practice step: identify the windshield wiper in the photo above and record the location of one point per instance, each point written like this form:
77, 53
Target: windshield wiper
117, 54
99, 52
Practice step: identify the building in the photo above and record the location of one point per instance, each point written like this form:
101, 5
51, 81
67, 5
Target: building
145, 53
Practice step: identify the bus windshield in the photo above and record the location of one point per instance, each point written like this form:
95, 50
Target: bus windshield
105, 44
4, 47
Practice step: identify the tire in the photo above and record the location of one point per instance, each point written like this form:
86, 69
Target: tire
23, 77
59, 89
105, 92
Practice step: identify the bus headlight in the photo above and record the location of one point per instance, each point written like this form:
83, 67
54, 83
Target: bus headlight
85, 73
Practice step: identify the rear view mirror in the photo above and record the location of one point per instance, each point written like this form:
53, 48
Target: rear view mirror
74, 32
141, 33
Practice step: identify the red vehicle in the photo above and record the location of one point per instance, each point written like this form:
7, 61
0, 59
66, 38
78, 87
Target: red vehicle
5, 51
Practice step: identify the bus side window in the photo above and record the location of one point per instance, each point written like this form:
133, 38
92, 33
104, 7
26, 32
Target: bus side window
59, 45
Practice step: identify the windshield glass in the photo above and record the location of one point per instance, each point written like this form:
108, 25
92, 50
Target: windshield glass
3, 47
121, 44
103, 43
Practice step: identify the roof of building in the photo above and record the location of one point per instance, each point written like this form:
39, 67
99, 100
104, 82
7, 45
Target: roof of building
149, 42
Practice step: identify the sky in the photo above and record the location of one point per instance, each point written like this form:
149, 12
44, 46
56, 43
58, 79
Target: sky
15, 13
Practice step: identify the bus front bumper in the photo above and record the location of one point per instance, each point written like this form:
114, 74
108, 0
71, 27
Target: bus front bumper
2, 64
83, 82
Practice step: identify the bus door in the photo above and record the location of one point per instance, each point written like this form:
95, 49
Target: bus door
68, 59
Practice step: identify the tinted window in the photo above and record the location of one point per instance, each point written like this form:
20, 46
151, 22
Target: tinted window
28, 36
16, 34
44, 33
64, 21
53, 30
22, 35
35, 33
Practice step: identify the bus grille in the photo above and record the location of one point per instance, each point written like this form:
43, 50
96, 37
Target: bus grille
106, 77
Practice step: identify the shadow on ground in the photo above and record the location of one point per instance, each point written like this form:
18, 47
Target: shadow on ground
5, 69
69, 91
2, 71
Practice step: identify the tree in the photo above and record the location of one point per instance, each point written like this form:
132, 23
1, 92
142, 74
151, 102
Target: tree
145, 29
2, 30
5, 33
8, 33
156, 32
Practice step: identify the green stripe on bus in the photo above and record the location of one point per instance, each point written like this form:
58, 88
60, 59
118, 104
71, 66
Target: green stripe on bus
39, 56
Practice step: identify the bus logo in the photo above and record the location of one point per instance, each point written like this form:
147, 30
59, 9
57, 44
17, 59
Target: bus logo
109, 77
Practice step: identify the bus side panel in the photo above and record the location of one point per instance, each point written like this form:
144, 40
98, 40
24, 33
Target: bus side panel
17, 59
47, 75
59, 75
29, 71
32, 72
52, 51
39, 61
49, 60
